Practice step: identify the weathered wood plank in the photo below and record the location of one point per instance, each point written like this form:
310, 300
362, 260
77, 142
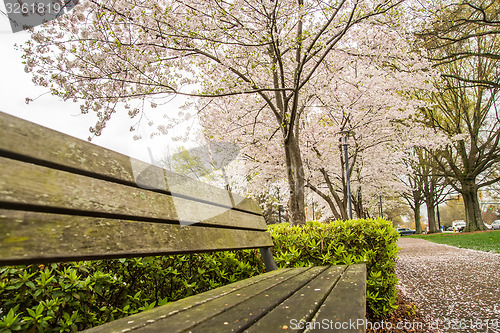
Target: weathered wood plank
345, 307
28, 237
30, 184
245, 314
301, 306
182, 314
23, 138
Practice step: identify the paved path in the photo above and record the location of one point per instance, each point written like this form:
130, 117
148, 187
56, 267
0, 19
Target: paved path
457, 289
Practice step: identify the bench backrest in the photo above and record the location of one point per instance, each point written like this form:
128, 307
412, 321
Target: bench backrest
64, 199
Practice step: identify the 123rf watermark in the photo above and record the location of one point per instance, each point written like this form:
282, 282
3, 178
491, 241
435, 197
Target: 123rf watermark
434, 325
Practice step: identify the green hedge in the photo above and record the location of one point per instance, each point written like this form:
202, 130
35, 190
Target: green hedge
371, 241
73, 296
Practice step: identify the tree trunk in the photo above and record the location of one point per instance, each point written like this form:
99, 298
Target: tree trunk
357, 201
329, 200
295, 175
418, 223
342, 205
473, 216
431, 215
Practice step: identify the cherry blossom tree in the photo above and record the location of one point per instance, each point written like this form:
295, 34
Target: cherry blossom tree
109, 54
433, 187
413, 180
372, 101
367, 91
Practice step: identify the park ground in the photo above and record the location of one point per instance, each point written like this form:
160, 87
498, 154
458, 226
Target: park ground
447, 288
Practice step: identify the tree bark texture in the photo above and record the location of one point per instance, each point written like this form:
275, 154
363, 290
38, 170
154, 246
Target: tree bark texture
473, 216
418, 223
295, 175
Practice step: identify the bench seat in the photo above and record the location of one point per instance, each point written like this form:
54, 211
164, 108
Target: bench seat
289, 299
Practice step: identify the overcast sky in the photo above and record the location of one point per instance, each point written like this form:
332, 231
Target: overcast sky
49, 111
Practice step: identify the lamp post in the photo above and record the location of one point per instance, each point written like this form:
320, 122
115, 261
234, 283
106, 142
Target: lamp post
345, 135
381, 211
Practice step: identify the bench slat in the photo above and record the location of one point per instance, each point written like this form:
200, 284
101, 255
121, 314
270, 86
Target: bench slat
22, 139
346, 304
245, 314
266, 305
43, 237
301, 306
201, 318
189, 311
42, 187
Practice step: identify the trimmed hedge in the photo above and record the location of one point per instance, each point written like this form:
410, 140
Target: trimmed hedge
370, 241
73, 296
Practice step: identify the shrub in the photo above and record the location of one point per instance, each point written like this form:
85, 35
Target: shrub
371, 241
67, 297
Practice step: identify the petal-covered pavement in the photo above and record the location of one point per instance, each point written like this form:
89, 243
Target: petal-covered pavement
458, 290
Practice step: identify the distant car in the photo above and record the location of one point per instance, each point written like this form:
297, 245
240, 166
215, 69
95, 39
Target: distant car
406, 231
495, 225
487, 226
459, 226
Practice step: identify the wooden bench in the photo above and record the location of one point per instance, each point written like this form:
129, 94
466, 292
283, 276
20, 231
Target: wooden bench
64, 199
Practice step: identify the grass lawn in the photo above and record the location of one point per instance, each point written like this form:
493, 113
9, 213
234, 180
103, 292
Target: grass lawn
488, 241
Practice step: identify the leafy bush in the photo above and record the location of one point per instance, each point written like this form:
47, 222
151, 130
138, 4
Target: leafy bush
66, 297
345, 242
